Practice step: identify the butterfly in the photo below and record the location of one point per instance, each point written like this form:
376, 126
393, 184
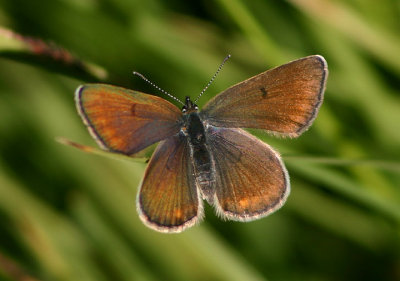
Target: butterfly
207, 155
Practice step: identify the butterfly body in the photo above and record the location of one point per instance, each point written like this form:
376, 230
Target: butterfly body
200, 155
206, 154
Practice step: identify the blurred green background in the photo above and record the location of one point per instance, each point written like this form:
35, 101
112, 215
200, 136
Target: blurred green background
68, 215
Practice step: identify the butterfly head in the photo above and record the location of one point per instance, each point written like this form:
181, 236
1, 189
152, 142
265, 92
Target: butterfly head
189, 106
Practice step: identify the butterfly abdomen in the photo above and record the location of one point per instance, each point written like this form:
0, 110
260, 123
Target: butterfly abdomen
201, 157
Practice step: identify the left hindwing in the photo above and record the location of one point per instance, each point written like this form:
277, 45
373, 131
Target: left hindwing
251, 180
168, 200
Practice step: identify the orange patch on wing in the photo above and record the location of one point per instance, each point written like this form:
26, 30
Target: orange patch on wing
178, 214
243, 203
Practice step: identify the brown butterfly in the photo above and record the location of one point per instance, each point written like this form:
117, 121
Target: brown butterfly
205, 154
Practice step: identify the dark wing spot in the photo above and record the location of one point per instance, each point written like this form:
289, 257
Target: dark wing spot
263, 92
133, 109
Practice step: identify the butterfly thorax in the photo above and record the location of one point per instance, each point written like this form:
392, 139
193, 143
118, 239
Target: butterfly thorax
201, 158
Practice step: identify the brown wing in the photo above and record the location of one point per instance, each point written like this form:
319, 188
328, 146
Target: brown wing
123, 120
284, 100
168, 200
251, 180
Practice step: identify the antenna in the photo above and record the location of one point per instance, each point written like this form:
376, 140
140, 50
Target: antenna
158, 88
212, 79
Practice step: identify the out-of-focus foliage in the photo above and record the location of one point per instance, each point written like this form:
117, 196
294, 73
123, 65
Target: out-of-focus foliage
67, 215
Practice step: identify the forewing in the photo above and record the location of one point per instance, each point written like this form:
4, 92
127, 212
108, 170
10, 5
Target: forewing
251, 179
284, 100
168, 200
123, 120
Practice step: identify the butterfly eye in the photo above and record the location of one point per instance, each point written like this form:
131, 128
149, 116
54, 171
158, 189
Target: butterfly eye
184, 109
196, 107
